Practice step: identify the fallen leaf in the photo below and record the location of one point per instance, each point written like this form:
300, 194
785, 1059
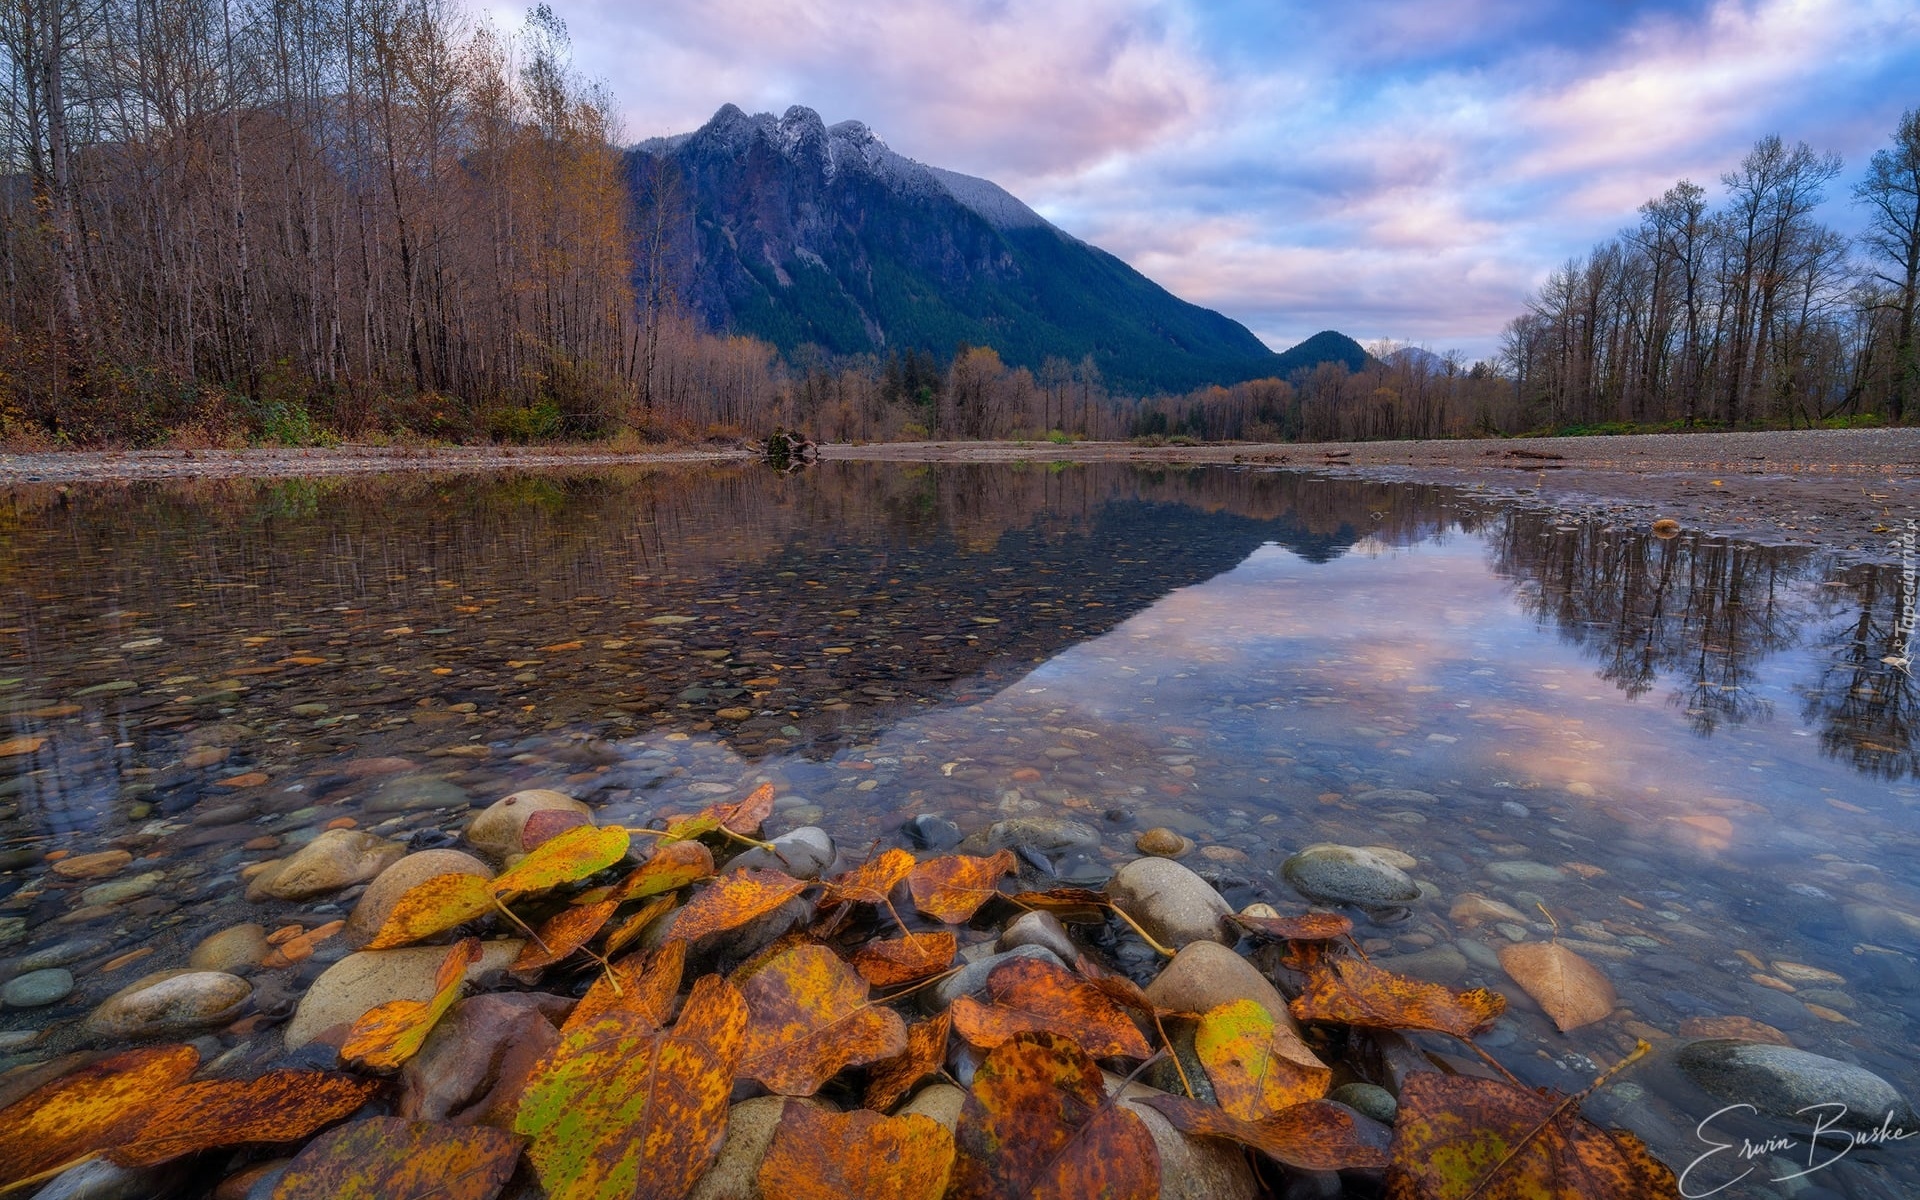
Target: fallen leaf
671, 867
562, 934
1571, 989
1453, 1131
1032, 994
1038, 1125
389, 1034
748, 815
1353, 992
79, 1113
566, 858
858, 1155
1316, 1135
386, 1158
926, 1054
907, 959
871, 882
631, 927
434, 905
1308, 927
280, 1106
733, 900
1252, 1075
1066, 903
548, 823
953, 888
812, 1018
621, 1108
14, 747
647, 985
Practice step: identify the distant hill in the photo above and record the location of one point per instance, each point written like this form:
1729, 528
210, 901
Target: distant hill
803, 234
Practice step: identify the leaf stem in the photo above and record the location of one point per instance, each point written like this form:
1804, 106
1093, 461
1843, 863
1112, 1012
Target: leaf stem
1135, 926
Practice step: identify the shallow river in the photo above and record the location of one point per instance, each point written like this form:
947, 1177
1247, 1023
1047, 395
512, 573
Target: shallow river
1690, 755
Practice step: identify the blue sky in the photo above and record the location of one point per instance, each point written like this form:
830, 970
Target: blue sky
1387, 168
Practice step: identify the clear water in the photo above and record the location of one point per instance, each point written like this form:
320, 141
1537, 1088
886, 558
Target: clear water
1699, 737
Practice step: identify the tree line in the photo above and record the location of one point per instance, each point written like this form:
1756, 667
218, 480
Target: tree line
1739, 309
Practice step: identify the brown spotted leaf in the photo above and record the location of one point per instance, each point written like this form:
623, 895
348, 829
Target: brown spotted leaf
1571, 989
872, 882
1038, 1125
811, 1019
672, 866
1067, 903
280, 1106
563, 933
386, 1036
630, 928
1353, 992
1252, 1074
733, 900
906, 959
386, 1158
434, 905
87, 1110
748, 815
926, 1055
859, 1155
953, 888
1032, 994
1454, 1131
621, 1108
1317, 1135
567, 857
1307, 927
646, 985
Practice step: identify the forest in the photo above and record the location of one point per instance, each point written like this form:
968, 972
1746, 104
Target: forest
230, 222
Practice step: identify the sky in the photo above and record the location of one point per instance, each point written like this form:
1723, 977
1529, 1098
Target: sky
1404, 169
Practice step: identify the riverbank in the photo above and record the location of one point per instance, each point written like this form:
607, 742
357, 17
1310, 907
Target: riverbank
1850, 491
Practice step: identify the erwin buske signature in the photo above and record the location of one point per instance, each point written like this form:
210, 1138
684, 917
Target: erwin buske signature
1825, 1146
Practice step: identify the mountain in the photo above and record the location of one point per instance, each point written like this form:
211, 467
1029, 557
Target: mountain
803, 234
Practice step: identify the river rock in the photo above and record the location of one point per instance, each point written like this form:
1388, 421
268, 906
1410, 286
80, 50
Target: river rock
92, 866
346, 990
1780, 1081
1041, 929
1368, 1099
1526, 873
1171, 903
336, 859
238, 946
1442, 964
802, 853
1885, 926
376, 903
410, 793
1336, 874
119, 891
37, 989
1471, 908
1382, 797
496, 830
99, 1179
973, 977
1191, 1168
1205, 975
1161, 842
750, 1128
169, 1003
1045, 835
940, 1102
928, 832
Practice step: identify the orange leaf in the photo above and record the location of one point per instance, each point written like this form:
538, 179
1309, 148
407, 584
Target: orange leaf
432, 906
563, 932
567, 857
1038, 1125
1032, 994
1353, 992
1570, 988
386, 1158
811, 1018
1307, 927
280, 1106
748, 815
871, 882
391, 1033
632, 927
733, 900
1318, 1135
674, 865
1066, 903
1252, 1075
953, 888
623, 1108
859, 1155
1453, 1131
647, 988
905, 959
926, 1054
79, 1113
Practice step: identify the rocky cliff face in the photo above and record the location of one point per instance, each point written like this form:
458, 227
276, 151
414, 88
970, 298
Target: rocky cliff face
808, 235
